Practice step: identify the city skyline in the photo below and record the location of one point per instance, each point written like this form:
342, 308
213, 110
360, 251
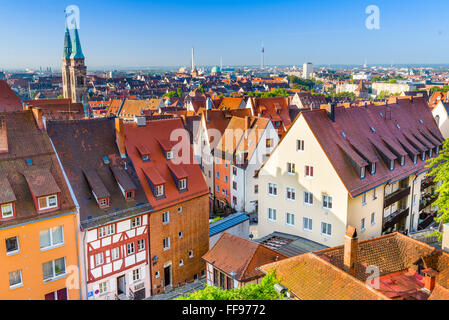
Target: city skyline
155, 34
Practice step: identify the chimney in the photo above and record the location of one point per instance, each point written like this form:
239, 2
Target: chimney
350, 250
445, 244
429, 279
330, 108
3, 136
37, 113
120, 136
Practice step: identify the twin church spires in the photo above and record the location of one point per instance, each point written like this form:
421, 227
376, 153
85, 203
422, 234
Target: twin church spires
74, 70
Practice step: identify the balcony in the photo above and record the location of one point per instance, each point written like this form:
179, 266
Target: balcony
395, 217
427, 200
427, 183
396, 196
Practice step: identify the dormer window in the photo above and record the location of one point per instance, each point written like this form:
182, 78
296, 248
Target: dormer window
7, 210
145, 158
373, 168
402, 161
182, 184
430, 153
103, 203
423, 156
49, 202
391, 165
159, 191
415, 159
362, 172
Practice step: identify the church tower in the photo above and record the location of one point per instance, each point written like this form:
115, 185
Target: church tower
74, 70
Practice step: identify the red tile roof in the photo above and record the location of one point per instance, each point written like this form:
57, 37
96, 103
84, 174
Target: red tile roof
232, 253
157, 169
9, 101
366, 134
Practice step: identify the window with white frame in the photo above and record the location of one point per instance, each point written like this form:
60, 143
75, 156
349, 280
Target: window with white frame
309, 171
136, 222
106, 231
166, 243
326, 229
272, 189
308, 198
166, 217
115, 253
362, 225
375, 194
53, 269
181, 262
103, 202
327, 202
271, 214
103, 287
307, 224
137, 275
49, 202
179, 209
291, 194
15, 279
299, 145
130, 248
52, 237
7, 210
159, 190
182, 184
99, 259
191, 254
12, 245
169, 155
290, 219
291, 168
141, 244
373, 218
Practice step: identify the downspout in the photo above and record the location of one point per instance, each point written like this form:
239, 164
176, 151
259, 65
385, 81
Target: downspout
85, 263
411, 206
77, 253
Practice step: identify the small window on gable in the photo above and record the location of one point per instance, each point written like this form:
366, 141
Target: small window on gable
103, 203
48, 202
7, 210
129, 195
182, 184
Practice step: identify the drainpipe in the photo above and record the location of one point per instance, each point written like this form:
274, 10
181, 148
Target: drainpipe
411, 206
85, 262
77, 254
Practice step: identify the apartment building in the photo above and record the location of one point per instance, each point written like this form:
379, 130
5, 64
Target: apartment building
114, 228
163, 159
242, 149
38, 219
361, 166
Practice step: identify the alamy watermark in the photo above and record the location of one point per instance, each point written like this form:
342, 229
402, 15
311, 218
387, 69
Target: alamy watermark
72, 17
372, 22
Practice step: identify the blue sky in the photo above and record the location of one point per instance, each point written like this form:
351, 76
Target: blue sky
161, 33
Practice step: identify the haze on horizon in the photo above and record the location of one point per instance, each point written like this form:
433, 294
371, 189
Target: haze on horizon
161, 33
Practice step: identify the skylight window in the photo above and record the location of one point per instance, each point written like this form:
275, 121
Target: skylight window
373, 130
343, 134
381, 114
398, 126
420, 121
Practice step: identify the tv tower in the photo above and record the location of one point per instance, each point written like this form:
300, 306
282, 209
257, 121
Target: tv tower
193, 59
262, 57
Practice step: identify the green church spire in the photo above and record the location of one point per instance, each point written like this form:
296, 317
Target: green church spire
77, 52
67, 44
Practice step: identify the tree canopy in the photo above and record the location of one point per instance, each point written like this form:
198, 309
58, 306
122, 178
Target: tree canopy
263, 291
440, 171
174, 94
280, 92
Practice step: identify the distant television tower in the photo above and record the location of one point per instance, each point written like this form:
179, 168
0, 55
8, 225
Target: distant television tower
221, 64
193, 60
262, 57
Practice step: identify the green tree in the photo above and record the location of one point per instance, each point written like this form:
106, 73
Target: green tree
263, 291
440, 171
280, 92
